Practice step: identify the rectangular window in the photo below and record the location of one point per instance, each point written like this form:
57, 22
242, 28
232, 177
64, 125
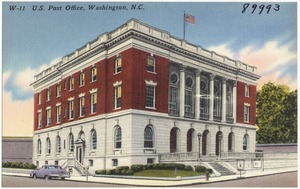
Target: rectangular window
173, 100
39, 98
118, 65
114, 162
48, 117
82, 79
118, 96
71, 109
188, 102
150, 96
39, 119
93, 103
48, 94
91, 162
246, 113
58, 90
247, 90
58, 114
56, 162
81, 106
94, 74
150, 160
71, 84
150, 64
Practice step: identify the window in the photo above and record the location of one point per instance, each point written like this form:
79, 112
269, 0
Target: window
82, 79
114, 162
148, 137
188, 103
91, 162
229, 104
48, 94
247, 90
93, 140
71, 109
48, 117
39, 98
245, 142
81, 106
150, 96
71, 142
71, 84
93, 74
246, 113
118, 137
118, 65
231, 142
204, 96
173, 95
151, 64
58, 114
58, 144
48, 145
93, 103
39, 119
217, 98
58, 90
56, 162
150, 160
118, 96
39, 147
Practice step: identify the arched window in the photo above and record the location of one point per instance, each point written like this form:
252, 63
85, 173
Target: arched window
48, 145
118, 137
189, 140
39, 147
148, 137
93, 140
71, 142
58, 144
231, 142
246, 142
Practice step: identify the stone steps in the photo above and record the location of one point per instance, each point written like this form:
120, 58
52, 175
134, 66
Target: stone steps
221, 169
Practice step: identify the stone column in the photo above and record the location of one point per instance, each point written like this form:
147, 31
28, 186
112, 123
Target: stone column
182, 91
224, 100
234, 101
197, 96
211, 95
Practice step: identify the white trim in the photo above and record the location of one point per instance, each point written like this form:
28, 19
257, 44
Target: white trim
71, 98
48, 108
81, 95
117, 83
40, 110
93, 90
150, 82
58, 104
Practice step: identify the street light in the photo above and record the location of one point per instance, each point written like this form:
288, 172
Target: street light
199, 138
220, 138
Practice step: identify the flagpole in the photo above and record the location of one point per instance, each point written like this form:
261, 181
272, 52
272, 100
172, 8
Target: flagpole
184, 25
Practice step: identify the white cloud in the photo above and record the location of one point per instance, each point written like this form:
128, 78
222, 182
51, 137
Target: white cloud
269, 60
24, 78
17, 114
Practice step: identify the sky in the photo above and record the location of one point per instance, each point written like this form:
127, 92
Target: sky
34, 40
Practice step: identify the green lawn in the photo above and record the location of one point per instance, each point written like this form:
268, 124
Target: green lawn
166, 173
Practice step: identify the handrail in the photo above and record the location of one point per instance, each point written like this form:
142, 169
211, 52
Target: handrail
79, 167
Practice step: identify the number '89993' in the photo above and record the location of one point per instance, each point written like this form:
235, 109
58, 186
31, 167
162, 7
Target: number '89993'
260, 8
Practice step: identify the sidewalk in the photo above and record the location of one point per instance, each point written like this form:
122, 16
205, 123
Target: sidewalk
137, 181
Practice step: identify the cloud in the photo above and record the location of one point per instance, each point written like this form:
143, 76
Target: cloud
25, 78
17, 114
275, 61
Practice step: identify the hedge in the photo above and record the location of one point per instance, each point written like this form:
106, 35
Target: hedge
19, 165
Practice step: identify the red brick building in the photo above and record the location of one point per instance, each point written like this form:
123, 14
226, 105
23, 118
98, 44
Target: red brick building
138, 94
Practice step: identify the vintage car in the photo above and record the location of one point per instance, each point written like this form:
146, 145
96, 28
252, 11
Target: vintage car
49, 171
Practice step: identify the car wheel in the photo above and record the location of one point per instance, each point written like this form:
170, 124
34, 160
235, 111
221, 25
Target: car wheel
62, 178
34, 176
46, 177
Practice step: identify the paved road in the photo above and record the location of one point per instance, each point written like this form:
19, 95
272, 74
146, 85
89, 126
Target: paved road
14, 181
277, 180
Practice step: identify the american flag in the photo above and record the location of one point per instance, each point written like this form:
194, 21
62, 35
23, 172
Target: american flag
189, 18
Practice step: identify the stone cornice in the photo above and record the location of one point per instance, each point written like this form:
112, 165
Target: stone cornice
151, 35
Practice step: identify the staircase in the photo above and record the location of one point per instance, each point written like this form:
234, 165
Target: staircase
77, 169
221, 169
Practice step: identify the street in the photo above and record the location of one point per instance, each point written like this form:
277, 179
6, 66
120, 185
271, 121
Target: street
276, 180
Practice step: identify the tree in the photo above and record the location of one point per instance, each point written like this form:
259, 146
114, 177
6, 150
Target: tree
276, 114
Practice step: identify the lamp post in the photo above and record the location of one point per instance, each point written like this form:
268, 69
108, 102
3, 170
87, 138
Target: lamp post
220, 138
199, 139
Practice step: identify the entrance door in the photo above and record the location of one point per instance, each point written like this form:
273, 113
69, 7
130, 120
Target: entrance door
79, 154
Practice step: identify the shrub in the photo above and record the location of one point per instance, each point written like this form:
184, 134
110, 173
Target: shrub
108, 172
122, 168
129, 172
148, 166
188, 168
209, 170
200, 168
137, 167
101, 172
123, 172
179, 166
